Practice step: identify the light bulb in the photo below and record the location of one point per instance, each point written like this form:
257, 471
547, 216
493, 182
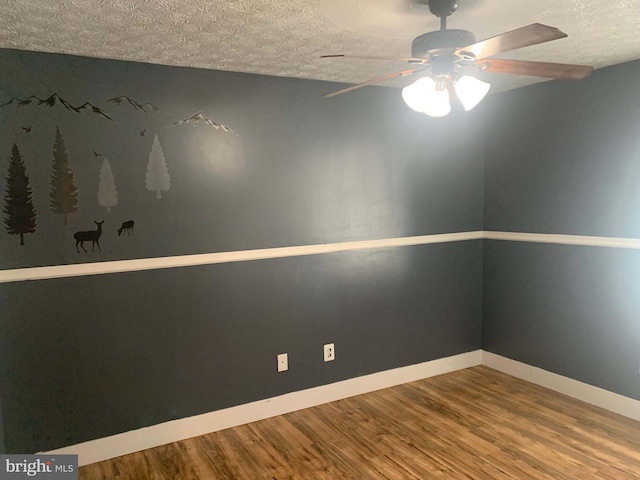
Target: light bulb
471, 91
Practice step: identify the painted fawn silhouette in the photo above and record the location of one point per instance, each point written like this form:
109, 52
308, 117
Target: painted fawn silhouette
126, 227
89, 236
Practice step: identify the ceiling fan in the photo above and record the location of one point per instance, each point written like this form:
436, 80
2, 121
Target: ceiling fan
450, 60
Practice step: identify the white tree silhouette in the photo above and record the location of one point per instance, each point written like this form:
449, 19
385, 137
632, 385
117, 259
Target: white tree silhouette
107, 193
157, 177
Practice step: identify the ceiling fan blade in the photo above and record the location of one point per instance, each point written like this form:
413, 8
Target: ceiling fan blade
522, 37
403, 73
560, 71
363, 57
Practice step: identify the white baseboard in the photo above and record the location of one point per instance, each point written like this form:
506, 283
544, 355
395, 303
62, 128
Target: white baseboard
176, 430
582, 391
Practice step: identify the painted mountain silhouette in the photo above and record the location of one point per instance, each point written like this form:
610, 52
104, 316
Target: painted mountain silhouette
198, 117
54, 99
138, 106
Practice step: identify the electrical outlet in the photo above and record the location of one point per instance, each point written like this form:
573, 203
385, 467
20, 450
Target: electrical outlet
283, 362
329, 352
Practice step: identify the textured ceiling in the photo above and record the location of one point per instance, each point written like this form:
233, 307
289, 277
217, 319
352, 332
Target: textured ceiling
287, 37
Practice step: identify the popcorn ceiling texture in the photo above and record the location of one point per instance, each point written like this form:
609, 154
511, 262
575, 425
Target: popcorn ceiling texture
287, 37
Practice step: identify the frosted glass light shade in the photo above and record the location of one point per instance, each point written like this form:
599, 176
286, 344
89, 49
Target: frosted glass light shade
423, 96
439, 105
471, 91
416, 95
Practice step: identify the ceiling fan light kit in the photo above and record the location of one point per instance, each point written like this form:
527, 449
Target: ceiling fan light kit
450, 59
433, 97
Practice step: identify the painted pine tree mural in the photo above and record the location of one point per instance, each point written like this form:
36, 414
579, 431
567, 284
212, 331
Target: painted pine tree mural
157, 178
20, 214
107, 193
63, 194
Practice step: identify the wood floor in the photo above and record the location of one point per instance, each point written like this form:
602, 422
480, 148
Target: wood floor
475, 423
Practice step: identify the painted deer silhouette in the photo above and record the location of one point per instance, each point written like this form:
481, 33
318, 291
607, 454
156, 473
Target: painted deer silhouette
126, 227
89, 236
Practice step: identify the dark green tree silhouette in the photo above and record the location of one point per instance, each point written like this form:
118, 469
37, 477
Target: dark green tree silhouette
20, 214
63, 193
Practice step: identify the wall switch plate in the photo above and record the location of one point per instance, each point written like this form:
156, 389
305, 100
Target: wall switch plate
283, 362
329, 352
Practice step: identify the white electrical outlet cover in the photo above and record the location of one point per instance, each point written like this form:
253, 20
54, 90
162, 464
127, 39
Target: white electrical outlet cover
329, 352
283, 362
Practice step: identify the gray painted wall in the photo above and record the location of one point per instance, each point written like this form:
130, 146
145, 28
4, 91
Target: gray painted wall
88, 357
124, 351
2, 446
565, 158
304, 170
567, 309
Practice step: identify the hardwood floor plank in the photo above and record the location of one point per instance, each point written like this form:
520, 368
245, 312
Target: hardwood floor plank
475, 424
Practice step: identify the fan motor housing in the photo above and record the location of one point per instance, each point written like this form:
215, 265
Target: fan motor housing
422, 45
